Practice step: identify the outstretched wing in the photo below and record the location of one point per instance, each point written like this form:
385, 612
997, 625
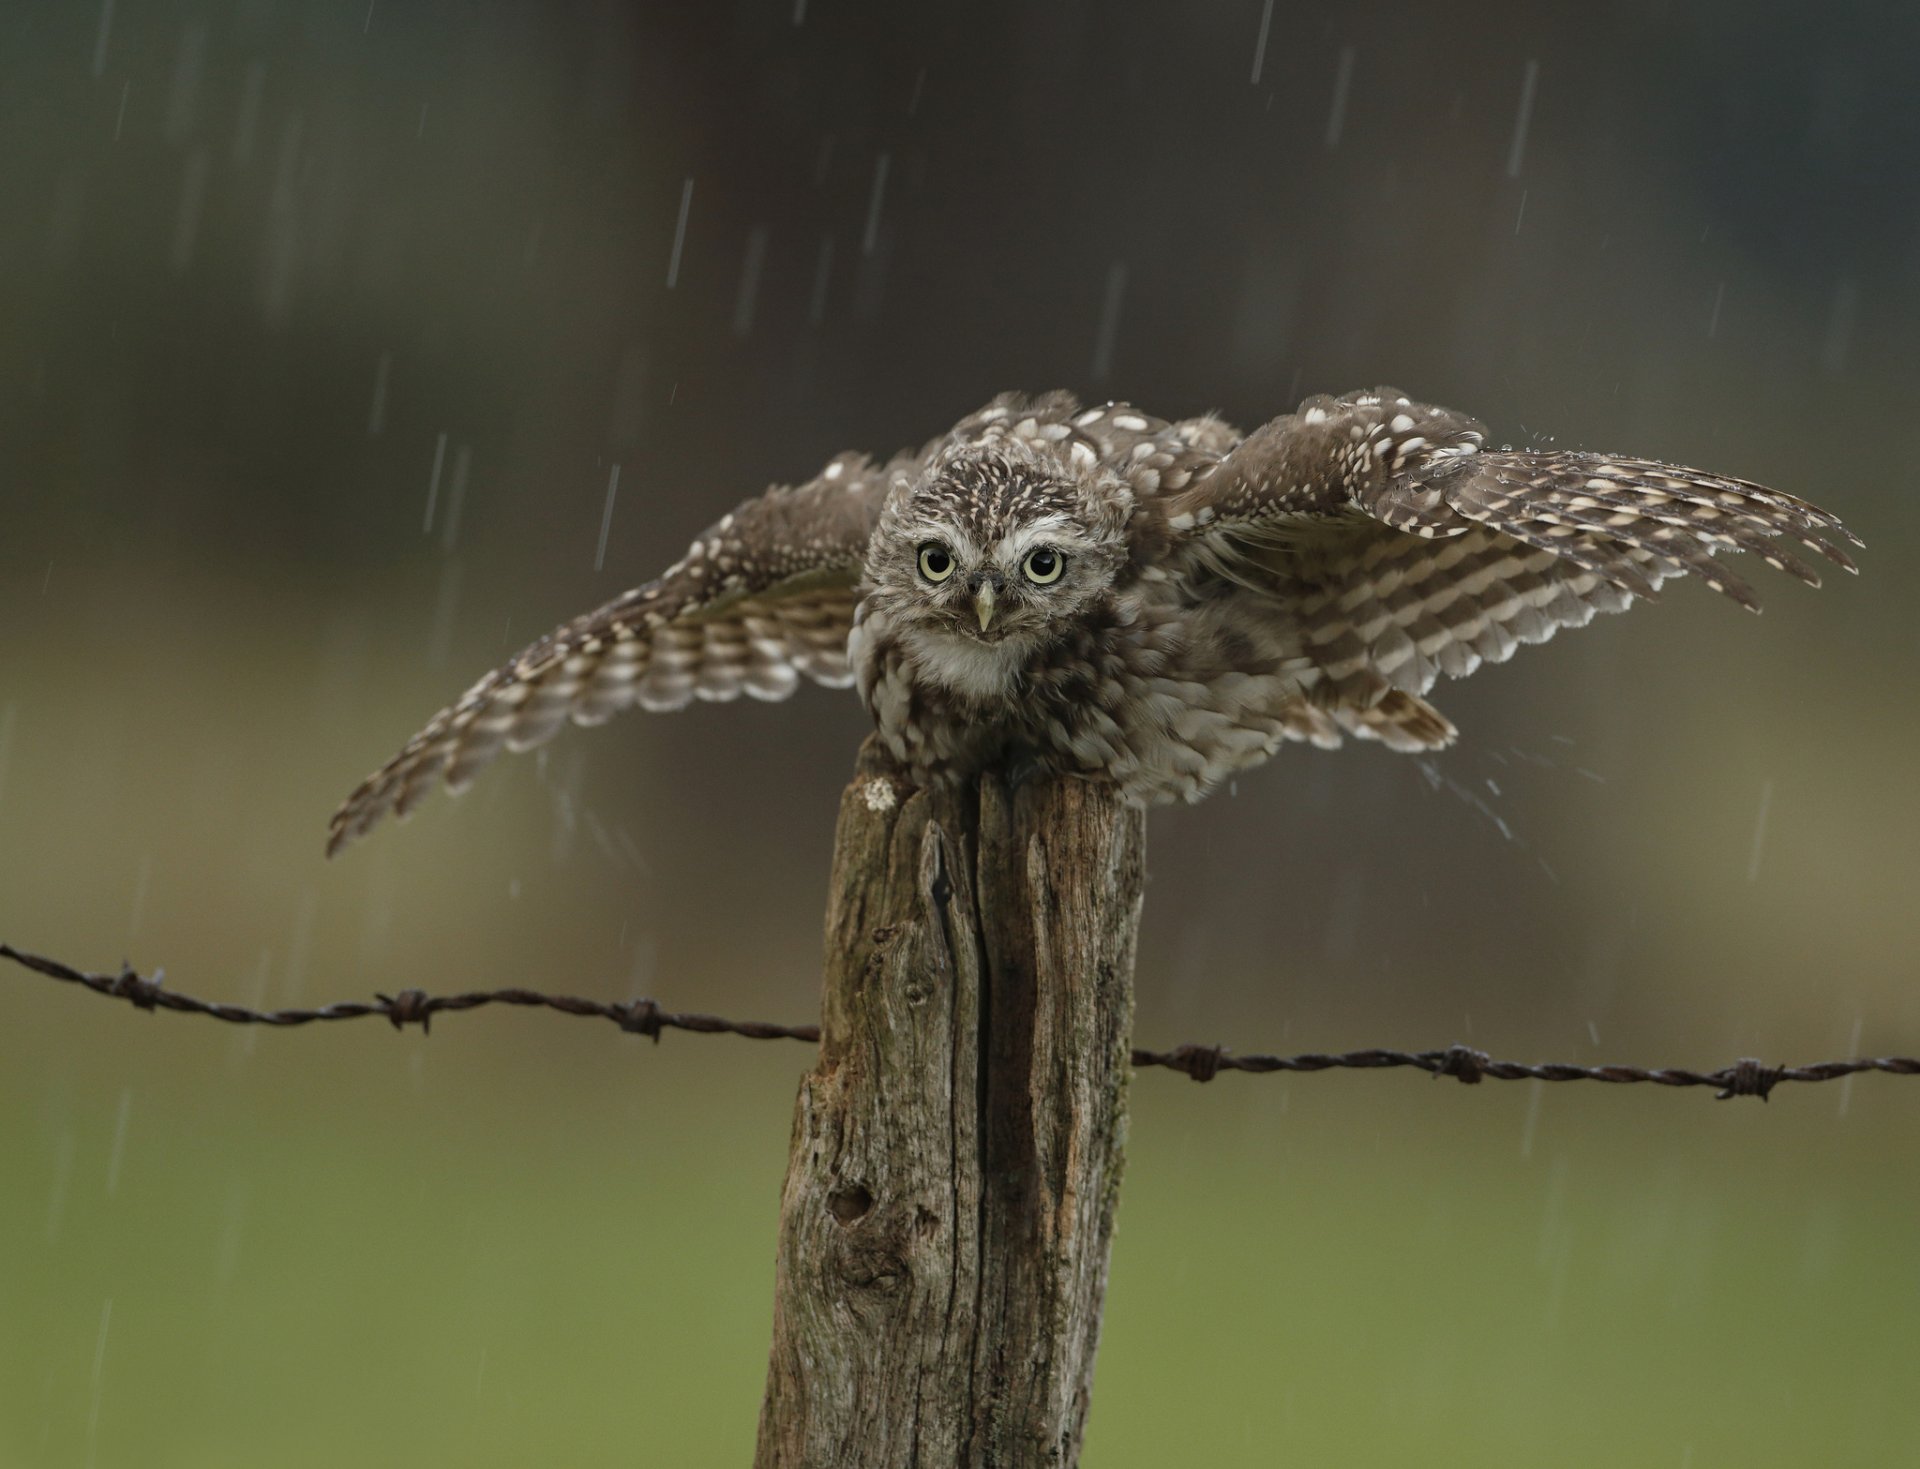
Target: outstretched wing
764, 596
1415, 553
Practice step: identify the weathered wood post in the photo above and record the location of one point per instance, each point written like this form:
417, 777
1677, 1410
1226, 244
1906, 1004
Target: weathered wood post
957, 1149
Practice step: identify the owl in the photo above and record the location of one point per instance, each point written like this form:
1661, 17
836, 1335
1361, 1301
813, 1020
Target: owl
1097, 592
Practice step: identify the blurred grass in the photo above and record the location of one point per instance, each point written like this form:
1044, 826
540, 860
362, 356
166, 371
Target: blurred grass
355, 1248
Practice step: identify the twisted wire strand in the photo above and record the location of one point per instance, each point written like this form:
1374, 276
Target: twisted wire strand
1746, 1077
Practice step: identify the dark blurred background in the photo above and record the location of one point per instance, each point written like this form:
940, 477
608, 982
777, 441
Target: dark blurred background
276, 276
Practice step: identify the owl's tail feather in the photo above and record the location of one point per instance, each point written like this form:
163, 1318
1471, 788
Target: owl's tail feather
1400, 721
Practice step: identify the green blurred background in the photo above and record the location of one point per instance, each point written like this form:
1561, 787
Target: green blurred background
264, 262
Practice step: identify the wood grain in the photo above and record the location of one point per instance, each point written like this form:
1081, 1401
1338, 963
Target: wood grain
956, 1156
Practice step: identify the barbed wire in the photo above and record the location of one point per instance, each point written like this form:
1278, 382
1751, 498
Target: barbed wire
1744, 1078
404, 1008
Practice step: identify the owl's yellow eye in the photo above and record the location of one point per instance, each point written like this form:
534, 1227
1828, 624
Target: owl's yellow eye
1043, 565
936, 561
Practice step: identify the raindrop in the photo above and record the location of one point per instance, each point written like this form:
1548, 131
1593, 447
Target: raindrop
679, 234
377, 414
1759, 831
1520, 214
602, 838
606, 519
1437, 780
870, 281
250, 1034
456, 495
120, 117
1260, 45
799, 12
822, 273
1535, 1089
1342, 83
1523, 118
919, 88
632, 849
421, 131
1713, 320
749, 293
1846, 1082
1109, 329
433, 483
300, 946
872, 235
119, 1139
566, 803
7, 715
100, 38
62, 1176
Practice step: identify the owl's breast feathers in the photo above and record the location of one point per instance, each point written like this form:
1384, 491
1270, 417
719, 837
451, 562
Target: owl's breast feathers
1163, 696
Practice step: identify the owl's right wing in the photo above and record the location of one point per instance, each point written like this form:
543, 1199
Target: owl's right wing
764, 596
1410, 553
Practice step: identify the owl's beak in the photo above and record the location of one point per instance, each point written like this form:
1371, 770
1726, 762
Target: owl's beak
983, 603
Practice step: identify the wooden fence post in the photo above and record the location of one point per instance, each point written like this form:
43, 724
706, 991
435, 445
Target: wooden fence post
957, 1149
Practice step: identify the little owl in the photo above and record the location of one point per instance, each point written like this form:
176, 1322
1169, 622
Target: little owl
1102, 593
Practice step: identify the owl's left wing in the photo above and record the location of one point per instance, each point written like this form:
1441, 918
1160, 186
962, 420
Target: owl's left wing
764, 596
1414, 553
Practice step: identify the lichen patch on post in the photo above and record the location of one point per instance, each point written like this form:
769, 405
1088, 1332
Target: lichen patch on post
880, 794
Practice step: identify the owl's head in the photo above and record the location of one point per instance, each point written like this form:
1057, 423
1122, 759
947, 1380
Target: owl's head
997, 545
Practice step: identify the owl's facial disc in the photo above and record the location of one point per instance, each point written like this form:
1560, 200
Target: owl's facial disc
1007, 587
995, 549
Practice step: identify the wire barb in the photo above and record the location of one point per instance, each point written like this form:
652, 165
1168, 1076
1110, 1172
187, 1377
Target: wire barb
1750, 1078
1747, 1077
409, 1007
1463, 1063
127, 985
1202, 1063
